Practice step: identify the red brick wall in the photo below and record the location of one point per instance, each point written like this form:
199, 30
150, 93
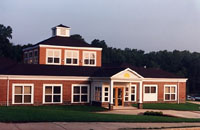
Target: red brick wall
38, 89
42, 59
182, 90
3, 92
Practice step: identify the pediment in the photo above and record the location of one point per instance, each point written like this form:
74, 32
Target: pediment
127, 74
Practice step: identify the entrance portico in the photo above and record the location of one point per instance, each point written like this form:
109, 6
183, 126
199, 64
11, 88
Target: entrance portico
122, 89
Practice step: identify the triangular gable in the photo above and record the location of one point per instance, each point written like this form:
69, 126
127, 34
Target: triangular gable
127, 74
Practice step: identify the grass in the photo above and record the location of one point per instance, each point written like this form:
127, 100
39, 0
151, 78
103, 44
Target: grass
168, 106
74, 114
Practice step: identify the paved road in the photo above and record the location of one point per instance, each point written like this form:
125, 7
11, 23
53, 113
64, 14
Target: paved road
93, 126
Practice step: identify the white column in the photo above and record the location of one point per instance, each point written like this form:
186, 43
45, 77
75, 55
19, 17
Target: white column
140, 92
111, 92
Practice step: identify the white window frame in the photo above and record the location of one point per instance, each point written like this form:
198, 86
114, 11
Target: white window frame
32, 93
53, 56
150, 94
103, 93
71, 57
53, 85
95, 60
80, 85
170, 85
134, 93
128, 93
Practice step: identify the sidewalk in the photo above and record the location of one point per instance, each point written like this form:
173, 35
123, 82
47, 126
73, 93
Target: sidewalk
182, 114
95, 126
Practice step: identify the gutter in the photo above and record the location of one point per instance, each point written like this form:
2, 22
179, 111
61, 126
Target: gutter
178, 93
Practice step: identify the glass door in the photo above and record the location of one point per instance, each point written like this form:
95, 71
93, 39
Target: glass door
118, 95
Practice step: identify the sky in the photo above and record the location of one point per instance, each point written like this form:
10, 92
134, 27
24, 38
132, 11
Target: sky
149, 25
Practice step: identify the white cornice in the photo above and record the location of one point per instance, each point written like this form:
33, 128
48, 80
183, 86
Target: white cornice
70, 47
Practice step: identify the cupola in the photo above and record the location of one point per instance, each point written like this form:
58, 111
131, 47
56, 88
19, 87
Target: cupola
61, 30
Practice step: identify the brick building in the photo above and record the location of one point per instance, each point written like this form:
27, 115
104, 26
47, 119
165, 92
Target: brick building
65, 70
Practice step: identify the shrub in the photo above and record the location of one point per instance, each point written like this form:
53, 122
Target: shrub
153, 113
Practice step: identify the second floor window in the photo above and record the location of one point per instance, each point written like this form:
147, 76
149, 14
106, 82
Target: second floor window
71, 57
53, 56
89, 58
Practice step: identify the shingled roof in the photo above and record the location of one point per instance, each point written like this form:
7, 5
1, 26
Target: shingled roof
64, 41
62, 70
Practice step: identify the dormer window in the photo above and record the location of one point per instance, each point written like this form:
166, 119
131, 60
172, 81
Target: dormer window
71, 57
53, 56
89, 58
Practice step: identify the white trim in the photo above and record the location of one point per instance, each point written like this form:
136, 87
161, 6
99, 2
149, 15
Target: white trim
128, 69
95, 59
24, 77
80, 85
36, 77
109, 93
52, 94
69, 47
72, 51
154, 95
170, 85
60, 58
21, 84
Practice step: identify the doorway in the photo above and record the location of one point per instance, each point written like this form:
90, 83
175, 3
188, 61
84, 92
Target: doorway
118, 96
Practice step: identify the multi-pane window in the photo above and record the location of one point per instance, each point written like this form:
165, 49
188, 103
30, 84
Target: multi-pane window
106, 91
30, 54
133, 93
35, 53
53, 56
89, 58
170, 92
80, 93
98, 93
126, 93
22, 93
150, 89
35, 56
71, 57
52, 93
150, 93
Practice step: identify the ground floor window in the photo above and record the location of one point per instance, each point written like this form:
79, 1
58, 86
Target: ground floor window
106, 91
150, 93
170, 92
98, 93
80, 93
127, 93
52, 93
22, 93
133, 93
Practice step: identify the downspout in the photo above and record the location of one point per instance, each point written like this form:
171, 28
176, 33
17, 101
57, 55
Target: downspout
178, 92
8, 84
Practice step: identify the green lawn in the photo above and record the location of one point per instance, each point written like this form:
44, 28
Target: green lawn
168, 106
75, 114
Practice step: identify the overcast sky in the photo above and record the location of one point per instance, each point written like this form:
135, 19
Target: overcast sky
150, 25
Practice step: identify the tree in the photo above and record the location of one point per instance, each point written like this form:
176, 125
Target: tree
5, 36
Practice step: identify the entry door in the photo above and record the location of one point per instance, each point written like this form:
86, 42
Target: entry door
118, 96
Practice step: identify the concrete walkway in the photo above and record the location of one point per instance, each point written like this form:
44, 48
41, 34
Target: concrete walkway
134, 111
96, 126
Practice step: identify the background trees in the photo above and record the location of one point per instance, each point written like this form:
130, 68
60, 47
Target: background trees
183, 63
